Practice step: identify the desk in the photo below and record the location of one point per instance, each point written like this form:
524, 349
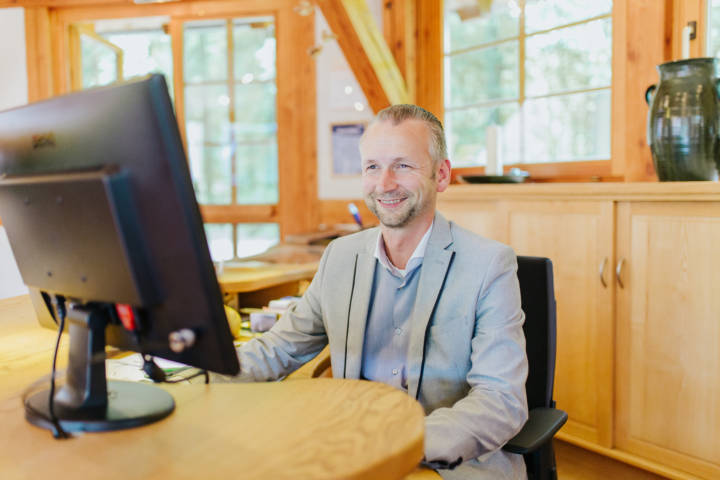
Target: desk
254, 284
303, 429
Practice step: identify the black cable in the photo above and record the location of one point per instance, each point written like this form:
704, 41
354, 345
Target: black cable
158, 375
57, 429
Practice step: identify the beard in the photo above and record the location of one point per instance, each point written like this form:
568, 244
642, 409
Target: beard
395, 218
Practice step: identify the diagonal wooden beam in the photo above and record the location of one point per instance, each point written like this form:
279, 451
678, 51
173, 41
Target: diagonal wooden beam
366, 52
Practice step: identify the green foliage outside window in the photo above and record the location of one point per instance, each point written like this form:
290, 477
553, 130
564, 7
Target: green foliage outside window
546, 82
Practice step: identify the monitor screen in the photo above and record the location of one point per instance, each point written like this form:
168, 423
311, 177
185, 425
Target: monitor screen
99, 209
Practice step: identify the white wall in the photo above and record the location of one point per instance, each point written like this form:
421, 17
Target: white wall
335, 106
13, 92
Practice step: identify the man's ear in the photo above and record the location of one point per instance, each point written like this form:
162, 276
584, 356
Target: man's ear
443, 175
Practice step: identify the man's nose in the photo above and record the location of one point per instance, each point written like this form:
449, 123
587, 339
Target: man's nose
387, 180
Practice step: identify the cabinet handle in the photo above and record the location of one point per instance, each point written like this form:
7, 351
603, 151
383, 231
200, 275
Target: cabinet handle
618, 272
602, 272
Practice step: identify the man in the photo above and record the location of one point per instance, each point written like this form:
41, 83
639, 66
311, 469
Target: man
418, 303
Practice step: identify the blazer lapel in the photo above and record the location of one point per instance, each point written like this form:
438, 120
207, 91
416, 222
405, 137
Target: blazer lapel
432, 277
357, 316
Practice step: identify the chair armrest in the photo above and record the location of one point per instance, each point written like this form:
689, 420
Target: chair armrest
542, 424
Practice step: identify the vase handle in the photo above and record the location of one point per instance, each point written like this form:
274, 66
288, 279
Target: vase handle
650, 91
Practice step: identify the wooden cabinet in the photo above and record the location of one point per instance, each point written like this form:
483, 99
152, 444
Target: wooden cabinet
637, 281
668, 334
578, 239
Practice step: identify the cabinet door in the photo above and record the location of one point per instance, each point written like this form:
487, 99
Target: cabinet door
483, 218
578, 237
668, 334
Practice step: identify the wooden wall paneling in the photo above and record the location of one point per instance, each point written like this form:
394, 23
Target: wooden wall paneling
668, 335
38, 53
296, 114
578, 237
75, 58
176, 41
618, 94
59, 47
429, 56
366, 52
647, 38
400, 30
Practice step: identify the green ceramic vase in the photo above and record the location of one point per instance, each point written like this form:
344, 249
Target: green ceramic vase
683, 123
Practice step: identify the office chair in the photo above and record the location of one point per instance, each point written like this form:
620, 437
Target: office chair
534, 441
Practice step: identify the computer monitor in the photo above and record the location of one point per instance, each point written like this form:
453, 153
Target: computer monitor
99, 208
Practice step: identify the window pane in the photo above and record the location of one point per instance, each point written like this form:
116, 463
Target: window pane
255, 111
714, 29
544, 14
207, 114
147, 51
257, 173
570, 58
466, 134
254, 50
205, 51
255, 238
99, 63
211, 174
482, 75
220, 240
568, 127
470, 23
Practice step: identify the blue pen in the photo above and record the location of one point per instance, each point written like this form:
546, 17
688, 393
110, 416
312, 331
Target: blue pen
355, 213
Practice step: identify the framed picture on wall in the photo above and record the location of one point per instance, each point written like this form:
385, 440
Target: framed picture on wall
345, 152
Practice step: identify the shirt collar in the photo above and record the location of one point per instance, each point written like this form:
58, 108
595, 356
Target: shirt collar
419, 254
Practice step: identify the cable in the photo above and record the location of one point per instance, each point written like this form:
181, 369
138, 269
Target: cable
158, 375
57, 430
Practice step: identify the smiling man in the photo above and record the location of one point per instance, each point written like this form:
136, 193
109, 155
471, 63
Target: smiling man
418, 303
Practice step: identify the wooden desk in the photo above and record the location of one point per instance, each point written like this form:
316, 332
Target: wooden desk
304, 429
253, 284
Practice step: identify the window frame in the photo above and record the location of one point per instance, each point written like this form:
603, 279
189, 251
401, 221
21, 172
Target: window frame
295, 98
580, 170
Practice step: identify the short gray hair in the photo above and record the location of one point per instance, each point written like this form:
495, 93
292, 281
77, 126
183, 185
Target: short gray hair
397, 114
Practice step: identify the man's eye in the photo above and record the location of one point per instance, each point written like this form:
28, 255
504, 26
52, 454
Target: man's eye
403, 165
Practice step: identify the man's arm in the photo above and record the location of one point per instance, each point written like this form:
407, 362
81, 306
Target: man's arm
294, 340
495, 409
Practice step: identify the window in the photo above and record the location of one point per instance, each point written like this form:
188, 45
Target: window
230, 125
114, 50
229, 241
540, 70
228, 85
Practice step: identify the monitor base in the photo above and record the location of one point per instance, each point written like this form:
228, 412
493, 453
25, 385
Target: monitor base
129, 405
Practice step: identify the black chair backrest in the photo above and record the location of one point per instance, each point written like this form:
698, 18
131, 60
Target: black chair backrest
537, 292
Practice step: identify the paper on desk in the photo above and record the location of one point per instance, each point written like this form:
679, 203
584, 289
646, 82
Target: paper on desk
130, 368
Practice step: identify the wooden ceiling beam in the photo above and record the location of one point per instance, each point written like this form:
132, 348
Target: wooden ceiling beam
366, 52
400, 30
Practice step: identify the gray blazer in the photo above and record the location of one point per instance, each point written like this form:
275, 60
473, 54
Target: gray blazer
466, 361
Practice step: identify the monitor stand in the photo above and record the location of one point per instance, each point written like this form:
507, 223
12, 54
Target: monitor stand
87, 401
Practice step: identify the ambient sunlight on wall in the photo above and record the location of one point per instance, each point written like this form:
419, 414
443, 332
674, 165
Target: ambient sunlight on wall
13, 92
